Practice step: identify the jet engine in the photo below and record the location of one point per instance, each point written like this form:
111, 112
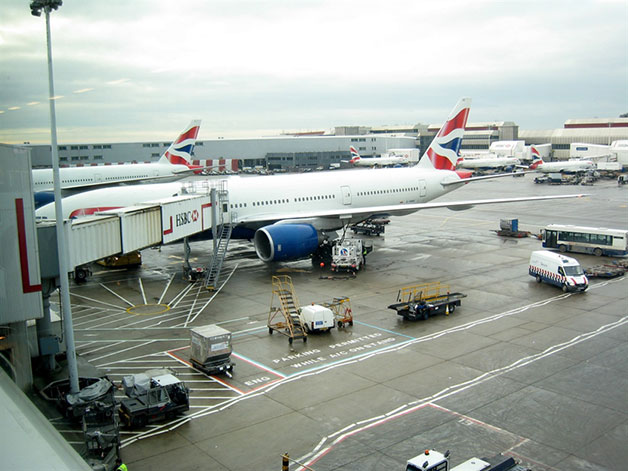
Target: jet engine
280, 242
43, 197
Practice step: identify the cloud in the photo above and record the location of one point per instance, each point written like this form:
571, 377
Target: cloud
140, 68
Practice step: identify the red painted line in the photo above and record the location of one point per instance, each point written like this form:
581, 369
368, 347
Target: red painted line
23, 249
228, 385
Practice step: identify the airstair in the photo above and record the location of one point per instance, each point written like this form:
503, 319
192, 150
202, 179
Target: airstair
283, 316
218, 257
222, 229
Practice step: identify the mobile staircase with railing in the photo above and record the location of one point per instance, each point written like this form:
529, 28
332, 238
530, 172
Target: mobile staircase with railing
283, 316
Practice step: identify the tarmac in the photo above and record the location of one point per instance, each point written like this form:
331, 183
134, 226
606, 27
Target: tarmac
520, 368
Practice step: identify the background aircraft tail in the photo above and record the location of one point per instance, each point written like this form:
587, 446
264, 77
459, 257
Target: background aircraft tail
180, 151
443, 152
355, 155
536, 158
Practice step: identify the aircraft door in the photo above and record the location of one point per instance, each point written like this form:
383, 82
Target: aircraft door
422, 188
346, 195
97, 178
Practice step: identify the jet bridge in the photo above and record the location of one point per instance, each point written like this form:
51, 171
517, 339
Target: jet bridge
125, 230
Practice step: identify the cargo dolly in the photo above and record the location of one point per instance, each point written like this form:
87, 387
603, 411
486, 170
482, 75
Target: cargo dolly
425, 300
368, 228
341, 307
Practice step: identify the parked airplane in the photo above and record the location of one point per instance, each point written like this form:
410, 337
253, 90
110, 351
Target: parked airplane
360, 161
288, 216
175, 162
567, 166
484, 163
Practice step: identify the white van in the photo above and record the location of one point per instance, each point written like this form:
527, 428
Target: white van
316, 317
556, 269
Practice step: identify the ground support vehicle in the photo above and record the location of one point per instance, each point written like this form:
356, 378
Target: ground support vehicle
557, 269
102, 436
425, 300
131, 259
368, 228
73, 405
211, 349
341, 307
152, 399
316, 318
432, 460
510, 228
349, 255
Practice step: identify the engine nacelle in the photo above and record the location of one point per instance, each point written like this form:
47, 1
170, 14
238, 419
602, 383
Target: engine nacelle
43, 197
280, 242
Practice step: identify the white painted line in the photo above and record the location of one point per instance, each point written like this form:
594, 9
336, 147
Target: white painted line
215, 294
116, 295
161, 298
119, 351
96, 300
109, 345
142, 290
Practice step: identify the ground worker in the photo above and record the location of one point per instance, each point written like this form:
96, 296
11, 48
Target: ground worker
120, 466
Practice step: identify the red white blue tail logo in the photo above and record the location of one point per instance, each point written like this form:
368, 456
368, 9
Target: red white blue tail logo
355, 155
536, 158
443, 152
180, 151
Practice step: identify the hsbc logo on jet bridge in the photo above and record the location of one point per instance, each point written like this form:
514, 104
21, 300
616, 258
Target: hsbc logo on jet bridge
184, 216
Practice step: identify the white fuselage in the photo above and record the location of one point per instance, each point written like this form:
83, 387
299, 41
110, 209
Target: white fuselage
77, 177
565, 166
488, 162
318, 198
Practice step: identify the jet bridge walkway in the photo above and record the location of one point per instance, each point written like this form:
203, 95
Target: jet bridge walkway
125, 230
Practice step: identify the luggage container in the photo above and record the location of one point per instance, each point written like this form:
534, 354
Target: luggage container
211, 349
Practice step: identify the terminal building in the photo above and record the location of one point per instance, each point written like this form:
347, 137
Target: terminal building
320, 150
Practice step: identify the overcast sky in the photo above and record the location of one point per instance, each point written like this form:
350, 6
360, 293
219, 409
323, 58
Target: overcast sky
134, 70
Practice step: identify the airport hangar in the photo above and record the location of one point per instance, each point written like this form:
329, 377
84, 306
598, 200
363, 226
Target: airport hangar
317, 149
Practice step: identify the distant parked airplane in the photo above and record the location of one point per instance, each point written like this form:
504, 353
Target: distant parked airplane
359, 161
484, 163
567, 166
175, 162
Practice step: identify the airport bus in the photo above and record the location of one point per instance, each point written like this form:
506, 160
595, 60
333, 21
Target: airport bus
593, 240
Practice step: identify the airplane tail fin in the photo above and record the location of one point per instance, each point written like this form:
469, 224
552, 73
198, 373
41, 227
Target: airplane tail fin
443, 152
355, 155
180, 151
536, 158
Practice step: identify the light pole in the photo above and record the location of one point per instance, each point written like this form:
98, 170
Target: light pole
62, 248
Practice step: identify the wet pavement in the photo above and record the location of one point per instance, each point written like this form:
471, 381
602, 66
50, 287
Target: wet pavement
519, 368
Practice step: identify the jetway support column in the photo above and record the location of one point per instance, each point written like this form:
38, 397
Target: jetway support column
47, 341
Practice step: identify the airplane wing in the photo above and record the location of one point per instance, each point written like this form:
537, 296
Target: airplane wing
355, 213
